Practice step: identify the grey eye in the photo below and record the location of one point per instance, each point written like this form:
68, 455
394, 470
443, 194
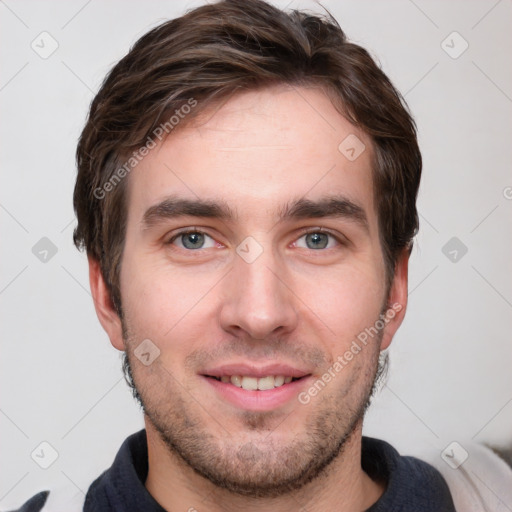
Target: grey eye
317, 240
193, 240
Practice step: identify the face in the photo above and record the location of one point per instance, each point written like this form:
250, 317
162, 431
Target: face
254, 299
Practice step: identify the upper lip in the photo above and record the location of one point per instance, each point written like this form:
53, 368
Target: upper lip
253, 370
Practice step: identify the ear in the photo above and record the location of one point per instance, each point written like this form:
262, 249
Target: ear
397, 299
105, 309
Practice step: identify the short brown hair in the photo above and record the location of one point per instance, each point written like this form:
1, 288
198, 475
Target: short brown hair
209, 54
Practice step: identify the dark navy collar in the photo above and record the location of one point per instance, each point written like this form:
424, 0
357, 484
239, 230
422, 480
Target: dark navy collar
412, 485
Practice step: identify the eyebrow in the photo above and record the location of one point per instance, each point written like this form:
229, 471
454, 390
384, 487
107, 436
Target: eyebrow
337, 206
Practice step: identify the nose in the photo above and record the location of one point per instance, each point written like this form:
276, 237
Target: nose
257, 300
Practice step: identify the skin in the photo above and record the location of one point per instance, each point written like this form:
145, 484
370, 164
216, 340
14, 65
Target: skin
303, 306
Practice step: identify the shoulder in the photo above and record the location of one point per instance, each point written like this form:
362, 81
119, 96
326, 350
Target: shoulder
411, 483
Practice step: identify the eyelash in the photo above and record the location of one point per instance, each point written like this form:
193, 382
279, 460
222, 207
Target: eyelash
303, 232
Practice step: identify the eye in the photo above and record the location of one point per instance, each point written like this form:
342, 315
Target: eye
192, 239
318, 239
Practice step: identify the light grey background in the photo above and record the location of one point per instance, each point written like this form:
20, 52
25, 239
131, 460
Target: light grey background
450, 376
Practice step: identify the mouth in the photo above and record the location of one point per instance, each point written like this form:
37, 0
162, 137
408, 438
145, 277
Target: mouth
256, 388
250, 383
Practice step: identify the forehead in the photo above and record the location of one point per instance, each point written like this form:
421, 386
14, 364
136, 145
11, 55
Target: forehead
257, 152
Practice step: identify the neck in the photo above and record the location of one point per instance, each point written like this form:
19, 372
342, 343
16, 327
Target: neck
344, 486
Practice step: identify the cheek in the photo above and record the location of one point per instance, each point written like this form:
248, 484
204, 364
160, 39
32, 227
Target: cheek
172, 308
347, 302
145, 299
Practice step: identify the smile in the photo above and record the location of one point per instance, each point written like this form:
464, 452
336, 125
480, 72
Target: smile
257, 393
256, 383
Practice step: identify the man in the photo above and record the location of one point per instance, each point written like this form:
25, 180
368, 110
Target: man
246, 193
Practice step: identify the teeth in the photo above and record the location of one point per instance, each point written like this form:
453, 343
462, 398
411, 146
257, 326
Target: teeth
250, 383
278, 381
237, 381
264, 383
254, 383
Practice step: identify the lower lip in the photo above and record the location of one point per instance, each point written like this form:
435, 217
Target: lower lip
266, 400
